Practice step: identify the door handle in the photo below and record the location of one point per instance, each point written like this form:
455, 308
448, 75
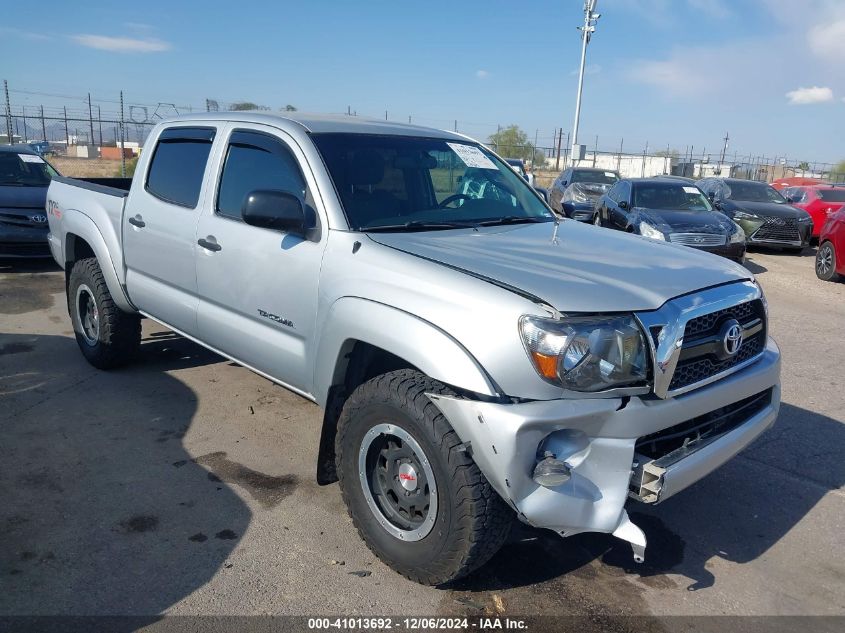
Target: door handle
212, 246
137, 221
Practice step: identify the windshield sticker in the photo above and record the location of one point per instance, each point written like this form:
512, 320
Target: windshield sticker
472, 156
30, 158
610, 174
691, 190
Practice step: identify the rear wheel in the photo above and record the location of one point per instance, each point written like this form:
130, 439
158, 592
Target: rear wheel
107, 336
826, 263
417, 499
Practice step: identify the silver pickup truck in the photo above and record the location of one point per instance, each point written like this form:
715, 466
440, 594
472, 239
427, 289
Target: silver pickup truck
476, 356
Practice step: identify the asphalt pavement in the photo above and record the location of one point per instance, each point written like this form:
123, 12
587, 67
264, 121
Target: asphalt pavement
185, 484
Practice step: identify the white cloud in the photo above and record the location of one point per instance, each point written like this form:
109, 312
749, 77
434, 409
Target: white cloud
673, 76
482, 74
122, 44
804, 96
27, 35
712, 8
827, 40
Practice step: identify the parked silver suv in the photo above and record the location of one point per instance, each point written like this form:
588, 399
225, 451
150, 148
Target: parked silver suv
476, 356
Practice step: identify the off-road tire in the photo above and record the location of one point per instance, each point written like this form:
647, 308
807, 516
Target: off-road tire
829, 274
119, 332
472, 521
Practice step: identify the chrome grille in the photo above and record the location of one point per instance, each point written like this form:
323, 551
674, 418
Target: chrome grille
778, 230
698, 239
696, 368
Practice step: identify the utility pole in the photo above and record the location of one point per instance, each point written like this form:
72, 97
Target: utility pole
100, 123
619, 160
23, 111
557, 160
67, 134
90, 120
724, 149
589, 27
8, 114
122, 143
43, 126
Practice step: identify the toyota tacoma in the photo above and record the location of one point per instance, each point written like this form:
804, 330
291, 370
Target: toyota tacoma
476, 356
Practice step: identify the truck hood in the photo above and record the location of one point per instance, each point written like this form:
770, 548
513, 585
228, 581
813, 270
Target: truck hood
23, 197
585, 269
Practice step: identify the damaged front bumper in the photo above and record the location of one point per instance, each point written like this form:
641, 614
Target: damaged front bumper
614, 449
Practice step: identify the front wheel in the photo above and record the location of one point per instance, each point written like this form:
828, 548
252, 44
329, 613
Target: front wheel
597, 219
826, 263
107, 336
417, 499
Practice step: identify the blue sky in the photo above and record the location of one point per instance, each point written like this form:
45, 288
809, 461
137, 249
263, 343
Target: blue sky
666, 72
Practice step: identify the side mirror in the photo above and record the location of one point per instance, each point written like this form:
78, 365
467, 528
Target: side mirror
277, 210
790, 199
623, 204
712, 196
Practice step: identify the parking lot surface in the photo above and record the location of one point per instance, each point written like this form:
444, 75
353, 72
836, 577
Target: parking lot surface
185, 484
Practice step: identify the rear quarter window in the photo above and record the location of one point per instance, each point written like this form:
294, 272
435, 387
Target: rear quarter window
178, 165
832, 195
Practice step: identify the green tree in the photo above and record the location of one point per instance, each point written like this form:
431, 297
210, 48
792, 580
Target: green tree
512, 142
804, 165
839, 171
289, 108
247, 105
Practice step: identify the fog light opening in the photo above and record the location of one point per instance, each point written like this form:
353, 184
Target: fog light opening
551, 472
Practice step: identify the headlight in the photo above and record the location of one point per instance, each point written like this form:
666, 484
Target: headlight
738, 235
647, 230
586, 353
572, 194
742, 215
805, 218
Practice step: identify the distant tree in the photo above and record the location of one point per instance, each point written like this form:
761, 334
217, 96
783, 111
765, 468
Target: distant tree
247, 105
512, 142
839, 170
672, 153
804, 166
289, 108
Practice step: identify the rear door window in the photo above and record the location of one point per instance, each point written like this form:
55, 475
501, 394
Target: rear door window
178, 165
832, 195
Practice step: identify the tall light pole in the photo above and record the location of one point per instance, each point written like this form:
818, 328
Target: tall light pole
589, 27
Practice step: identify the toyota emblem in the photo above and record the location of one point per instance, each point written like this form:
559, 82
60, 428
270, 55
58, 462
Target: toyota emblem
38, 218
732, 340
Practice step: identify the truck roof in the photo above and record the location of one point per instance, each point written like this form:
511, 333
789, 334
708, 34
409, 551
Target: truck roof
18, 148
323, 123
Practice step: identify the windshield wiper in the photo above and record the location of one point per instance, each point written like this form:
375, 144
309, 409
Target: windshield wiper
514, 219
420, 225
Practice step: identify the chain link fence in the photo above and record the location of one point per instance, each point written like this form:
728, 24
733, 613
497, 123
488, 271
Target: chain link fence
115, 130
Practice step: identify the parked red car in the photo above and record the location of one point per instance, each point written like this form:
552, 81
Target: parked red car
819, 201
830, 258
795, 181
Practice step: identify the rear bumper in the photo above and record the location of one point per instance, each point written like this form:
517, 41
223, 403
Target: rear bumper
597, 437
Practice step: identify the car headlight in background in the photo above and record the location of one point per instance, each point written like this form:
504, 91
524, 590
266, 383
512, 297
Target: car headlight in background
737, 234
743, 215
647, 230
587, 353
805, 218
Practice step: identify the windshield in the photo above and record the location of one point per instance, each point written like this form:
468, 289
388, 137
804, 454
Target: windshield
832, 195
24, 170
754, 192
410, 183
677, 197
594, 175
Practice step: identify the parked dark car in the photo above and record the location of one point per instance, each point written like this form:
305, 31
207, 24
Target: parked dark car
574, 193
24, 178
665, 209
763, 213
